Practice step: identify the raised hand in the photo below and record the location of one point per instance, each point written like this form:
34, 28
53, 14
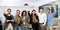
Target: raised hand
4, 7
54, 6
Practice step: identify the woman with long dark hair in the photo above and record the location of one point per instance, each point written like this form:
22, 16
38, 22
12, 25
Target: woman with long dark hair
25, 20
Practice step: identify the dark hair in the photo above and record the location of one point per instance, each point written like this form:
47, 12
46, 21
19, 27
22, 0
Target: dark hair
18, 10
33, 10
40, 8
48, 8
23, 12
9, 9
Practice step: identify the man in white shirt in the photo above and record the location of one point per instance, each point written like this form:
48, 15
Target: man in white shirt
42, 18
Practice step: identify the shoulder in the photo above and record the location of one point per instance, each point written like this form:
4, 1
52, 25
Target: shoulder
11, 15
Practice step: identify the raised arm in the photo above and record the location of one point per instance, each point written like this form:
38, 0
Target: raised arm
54, 7
4, 12
29, 13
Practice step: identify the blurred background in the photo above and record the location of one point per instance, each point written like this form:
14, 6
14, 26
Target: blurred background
28, 5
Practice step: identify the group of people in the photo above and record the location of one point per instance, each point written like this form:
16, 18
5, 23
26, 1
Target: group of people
38, 21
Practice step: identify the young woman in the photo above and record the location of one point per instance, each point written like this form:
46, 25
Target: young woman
25, 20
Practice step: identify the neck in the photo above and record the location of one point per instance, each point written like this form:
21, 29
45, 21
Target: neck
9, 14
17, 15
23, 16
48, 13
42, 12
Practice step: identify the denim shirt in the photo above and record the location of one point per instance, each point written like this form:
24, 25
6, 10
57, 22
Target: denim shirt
50, 20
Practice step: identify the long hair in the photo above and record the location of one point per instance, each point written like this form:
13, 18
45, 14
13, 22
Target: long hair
25, 13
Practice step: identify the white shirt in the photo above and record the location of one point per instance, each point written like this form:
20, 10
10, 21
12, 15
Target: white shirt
42, 18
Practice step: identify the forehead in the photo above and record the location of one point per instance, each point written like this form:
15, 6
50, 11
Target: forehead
8, 10
41, 9
34, 11
24, 12
48, 10
17, 11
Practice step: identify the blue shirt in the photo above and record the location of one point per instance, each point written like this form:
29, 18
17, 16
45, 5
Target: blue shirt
50, 20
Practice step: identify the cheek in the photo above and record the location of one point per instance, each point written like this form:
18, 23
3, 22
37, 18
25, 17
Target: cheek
23, 13
33, 12
18, 12
40, 10
47, 10
9, 11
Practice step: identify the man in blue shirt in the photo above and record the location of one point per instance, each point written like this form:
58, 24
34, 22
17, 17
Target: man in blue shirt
50, 17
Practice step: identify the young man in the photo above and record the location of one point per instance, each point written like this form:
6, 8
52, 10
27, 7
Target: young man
17, 20
34, 20
50, 17
42, 18
9, 20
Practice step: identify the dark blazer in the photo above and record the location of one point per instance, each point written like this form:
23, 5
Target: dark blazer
30, 15
35, 26
31, 19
